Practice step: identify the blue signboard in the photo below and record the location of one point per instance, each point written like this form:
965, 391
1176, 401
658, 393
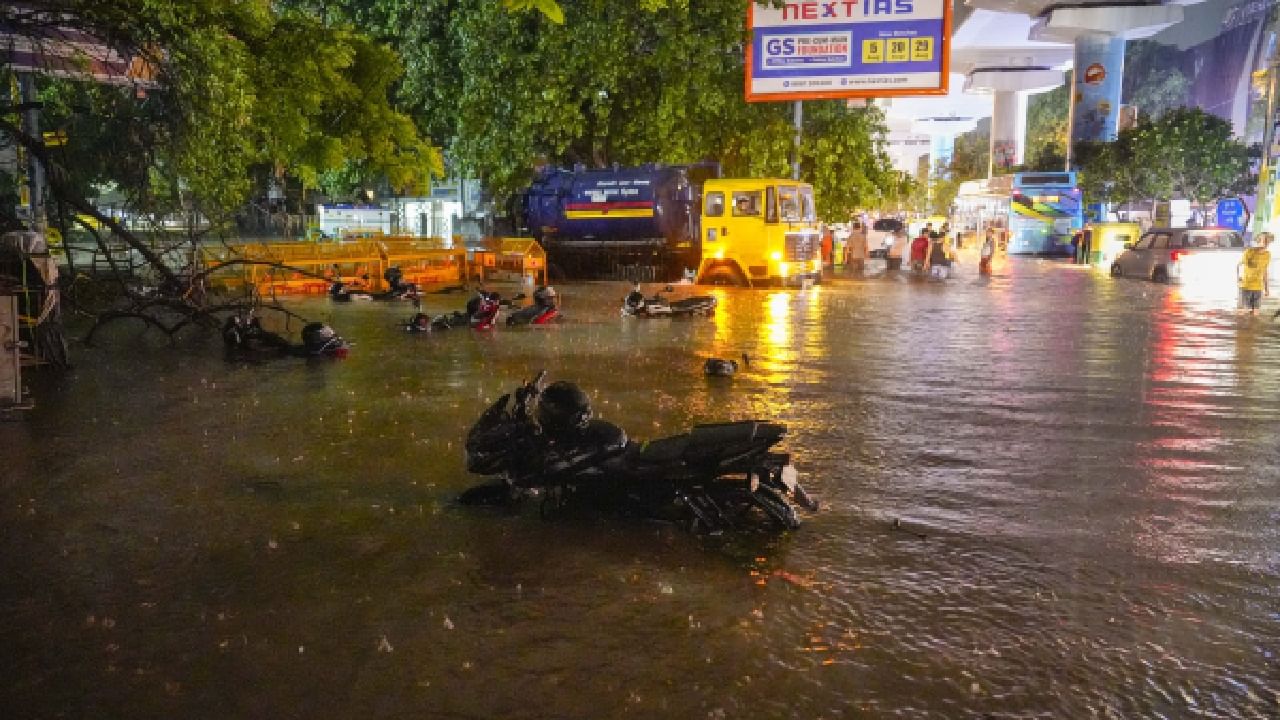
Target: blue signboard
1231, 214
848, 49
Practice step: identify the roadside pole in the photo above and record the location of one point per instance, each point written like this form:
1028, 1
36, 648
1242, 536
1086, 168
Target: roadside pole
798, 120
1263, 214
35, 171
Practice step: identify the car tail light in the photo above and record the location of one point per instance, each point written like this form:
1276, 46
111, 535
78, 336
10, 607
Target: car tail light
1176, 254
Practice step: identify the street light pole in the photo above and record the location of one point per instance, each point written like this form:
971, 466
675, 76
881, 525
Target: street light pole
798, 120
35, 171
1262, 216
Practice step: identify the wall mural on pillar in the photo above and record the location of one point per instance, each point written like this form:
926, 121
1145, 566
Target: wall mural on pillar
1004, 154
1097, 88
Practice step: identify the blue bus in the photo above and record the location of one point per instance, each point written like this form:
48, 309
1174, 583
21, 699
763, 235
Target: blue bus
1045, 210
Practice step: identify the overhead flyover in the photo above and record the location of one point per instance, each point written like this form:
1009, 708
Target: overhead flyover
1096, 32
1011, 49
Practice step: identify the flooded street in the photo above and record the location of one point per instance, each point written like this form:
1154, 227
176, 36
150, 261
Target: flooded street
1083, 474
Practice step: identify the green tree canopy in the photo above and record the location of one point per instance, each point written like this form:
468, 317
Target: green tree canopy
1185, 153
1046, 146
625, 81
234, 91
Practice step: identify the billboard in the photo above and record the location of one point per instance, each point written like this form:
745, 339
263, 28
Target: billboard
69, 53
847, 49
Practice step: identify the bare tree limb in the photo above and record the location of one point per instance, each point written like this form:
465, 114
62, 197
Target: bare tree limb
55, 175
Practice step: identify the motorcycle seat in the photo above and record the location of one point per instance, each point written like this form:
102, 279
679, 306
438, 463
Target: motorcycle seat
662, 451
711, 443
715, 434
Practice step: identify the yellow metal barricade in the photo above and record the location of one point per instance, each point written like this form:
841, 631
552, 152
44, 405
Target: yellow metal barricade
425, 261
511, 259
292, 267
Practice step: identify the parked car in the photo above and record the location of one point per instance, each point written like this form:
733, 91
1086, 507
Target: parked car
1182, 255
880, 235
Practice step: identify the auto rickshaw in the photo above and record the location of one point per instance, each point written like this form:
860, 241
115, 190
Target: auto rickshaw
1108, 241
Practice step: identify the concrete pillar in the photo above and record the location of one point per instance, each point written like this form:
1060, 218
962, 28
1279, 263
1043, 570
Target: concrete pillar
1008, 130
1095, 96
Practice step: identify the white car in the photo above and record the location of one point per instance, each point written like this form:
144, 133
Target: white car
1182, 255
880, 235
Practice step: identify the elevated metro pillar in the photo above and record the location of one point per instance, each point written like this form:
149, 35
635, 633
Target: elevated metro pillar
1099, 31
942, 132
1008, 130
1009, 88
1095, 91
941, 150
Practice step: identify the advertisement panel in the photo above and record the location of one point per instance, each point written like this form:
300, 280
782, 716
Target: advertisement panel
848, 49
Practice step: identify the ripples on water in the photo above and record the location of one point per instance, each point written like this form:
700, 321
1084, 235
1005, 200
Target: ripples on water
1083, 470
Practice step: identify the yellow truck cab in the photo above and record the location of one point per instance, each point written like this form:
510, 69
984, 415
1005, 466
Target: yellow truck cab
758, 231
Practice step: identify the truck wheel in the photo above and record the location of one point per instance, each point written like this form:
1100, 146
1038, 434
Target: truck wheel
1160, 275
724, 275
1116, 271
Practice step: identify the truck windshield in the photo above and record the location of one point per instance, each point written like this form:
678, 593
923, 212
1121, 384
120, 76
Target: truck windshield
789, 209
806, 204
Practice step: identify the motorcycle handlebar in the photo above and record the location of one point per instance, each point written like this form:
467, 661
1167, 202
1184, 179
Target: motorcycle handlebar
527, 392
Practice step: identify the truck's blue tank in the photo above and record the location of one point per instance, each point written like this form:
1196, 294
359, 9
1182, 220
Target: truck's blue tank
650, 204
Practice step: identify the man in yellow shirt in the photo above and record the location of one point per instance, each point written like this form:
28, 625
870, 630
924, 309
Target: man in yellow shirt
1252, 273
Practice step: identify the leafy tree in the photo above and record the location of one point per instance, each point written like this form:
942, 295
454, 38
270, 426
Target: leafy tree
1153, 81
943, 189
243, 91
1193, 154
629, 82
233, 93
1185, 153
970, 156
1046, 144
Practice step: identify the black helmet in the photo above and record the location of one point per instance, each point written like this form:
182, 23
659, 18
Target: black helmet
546, 296
318, 337
562, 407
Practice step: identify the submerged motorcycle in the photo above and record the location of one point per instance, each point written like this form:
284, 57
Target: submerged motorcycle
244, 337
635, 304
397, 289
715, 478
544, 310
481, 313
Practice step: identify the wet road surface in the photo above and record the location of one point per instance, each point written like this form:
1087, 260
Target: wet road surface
1083, 472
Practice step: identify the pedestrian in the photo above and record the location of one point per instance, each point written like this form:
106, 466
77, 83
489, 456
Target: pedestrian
988, 251
828, 246
1086, 239
897, 251
1252, 274
920, 251
939, 263
856, 251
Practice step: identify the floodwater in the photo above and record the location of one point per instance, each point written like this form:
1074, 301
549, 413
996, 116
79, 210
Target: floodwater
1083, 472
